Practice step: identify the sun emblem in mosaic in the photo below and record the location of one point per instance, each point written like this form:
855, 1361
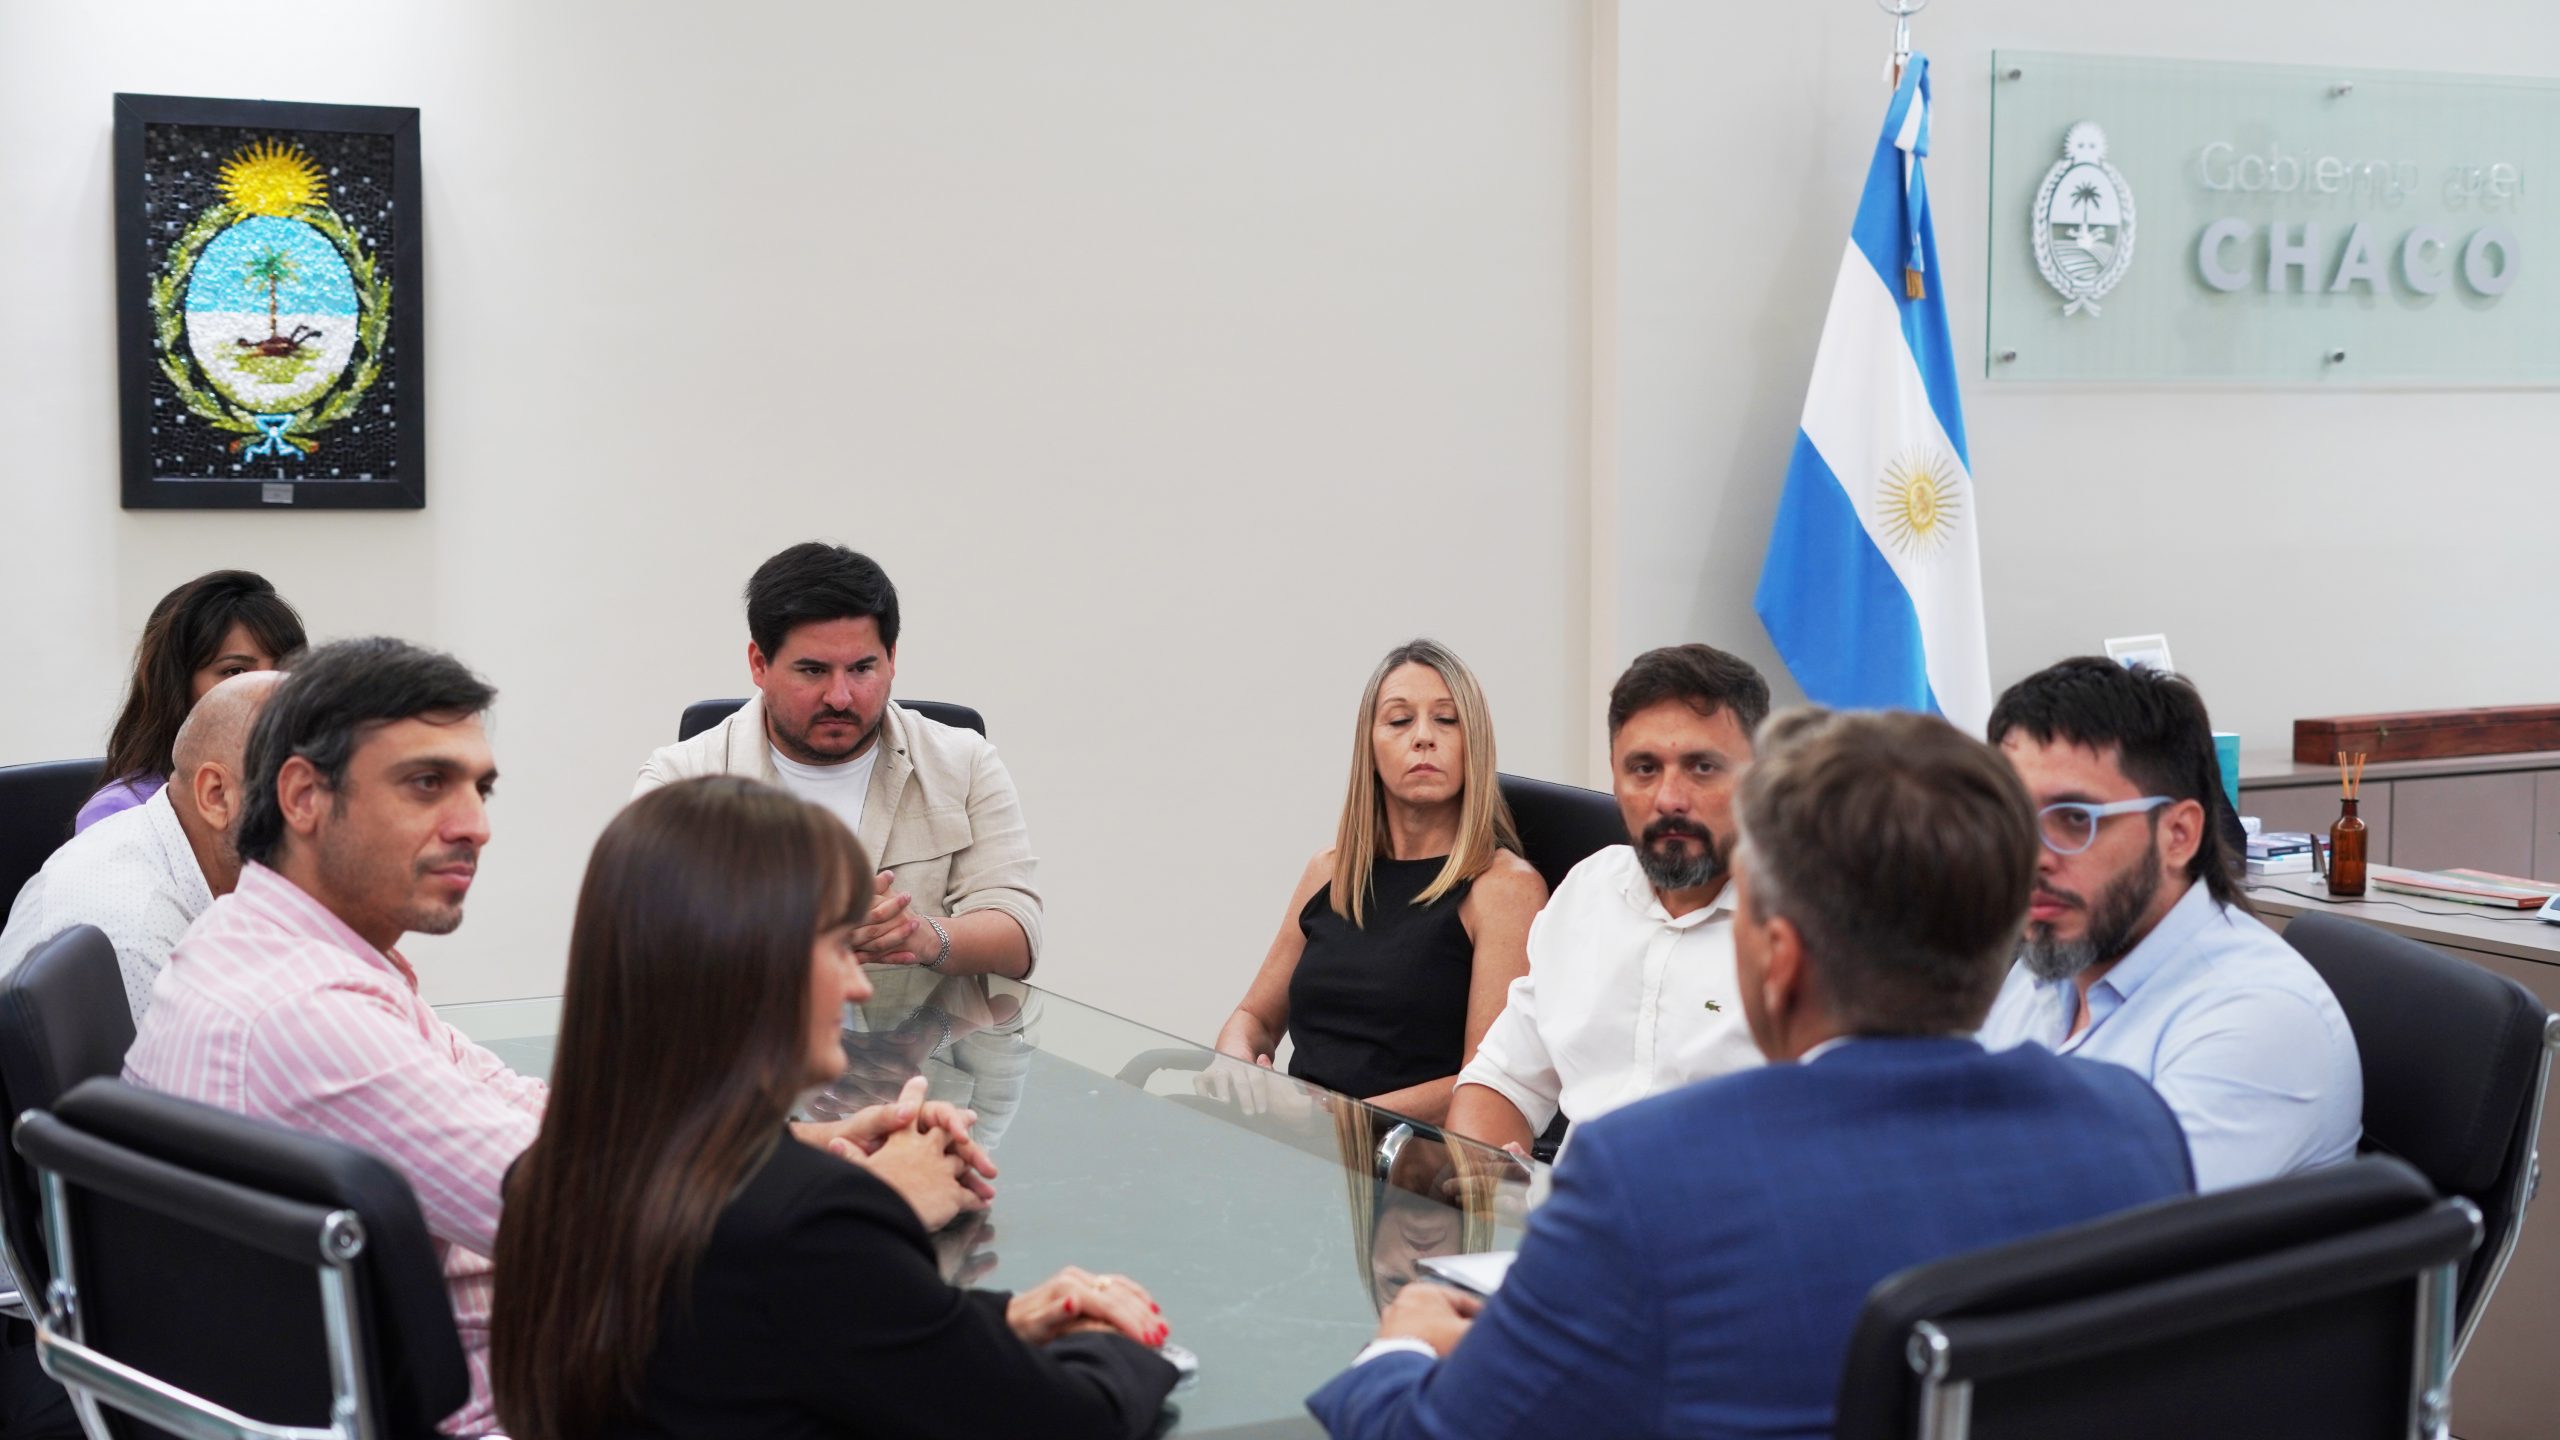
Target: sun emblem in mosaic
1918, 500
269, 312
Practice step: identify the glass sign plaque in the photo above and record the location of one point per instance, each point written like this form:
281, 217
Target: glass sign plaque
2164, 220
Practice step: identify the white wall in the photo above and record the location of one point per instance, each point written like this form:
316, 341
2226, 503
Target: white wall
1175, 359
2212, 514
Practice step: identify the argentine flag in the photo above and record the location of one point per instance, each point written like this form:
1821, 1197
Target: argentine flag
1872, 587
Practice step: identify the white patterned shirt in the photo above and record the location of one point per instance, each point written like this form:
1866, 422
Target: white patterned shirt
1622, 999
134, 876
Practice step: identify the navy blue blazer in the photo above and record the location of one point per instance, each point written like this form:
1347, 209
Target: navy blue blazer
1704, 1255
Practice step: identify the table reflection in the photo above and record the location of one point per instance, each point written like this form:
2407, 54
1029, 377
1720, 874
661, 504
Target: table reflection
1272, 1220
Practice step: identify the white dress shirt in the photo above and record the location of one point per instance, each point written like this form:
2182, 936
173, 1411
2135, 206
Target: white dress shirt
134, 876
1622, 1000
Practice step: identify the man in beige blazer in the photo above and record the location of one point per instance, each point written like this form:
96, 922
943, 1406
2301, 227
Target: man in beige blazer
931, 803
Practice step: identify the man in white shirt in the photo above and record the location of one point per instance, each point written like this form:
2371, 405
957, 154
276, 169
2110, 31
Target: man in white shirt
1631, 988
143, 875
930, 802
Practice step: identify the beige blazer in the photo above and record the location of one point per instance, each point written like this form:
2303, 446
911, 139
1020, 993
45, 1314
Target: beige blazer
941, 814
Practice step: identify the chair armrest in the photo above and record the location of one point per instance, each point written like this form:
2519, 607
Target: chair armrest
1143, 1066
2047, 1336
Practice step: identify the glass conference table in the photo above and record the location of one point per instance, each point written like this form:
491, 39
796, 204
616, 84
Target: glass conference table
1270, 1219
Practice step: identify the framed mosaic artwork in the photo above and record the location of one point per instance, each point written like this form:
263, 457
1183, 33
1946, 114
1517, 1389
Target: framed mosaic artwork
267, 270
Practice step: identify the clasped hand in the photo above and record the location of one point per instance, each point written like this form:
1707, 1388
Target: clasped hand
888, 934
1074, 1301
921, 1149
1255, 1089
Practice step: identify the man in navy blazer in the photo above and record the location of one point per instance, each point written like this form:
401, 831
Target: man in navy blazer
1704, 1255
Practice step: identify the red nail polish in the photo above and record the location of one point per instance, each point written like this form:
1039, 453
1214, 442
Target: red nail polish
1156, 1308
1071, 1304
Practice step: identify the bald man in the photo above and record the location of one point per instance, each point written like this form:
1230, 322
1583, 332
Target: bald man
144, 875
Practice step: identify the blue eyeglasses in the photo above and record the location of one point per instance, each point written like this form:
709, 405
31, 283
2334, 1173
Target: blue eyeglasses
2071, 826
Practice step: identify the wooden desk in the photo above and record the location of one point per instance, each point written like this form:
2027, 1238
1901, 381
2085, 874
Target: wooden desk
2488, 812
2508, 1388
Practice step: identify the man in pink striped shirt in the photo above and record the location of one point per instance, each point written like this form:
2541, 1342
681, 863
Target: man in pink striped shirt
366, 810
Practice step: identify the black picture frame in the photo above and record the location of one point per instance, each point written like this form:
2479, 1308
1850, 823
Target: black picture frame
215, 434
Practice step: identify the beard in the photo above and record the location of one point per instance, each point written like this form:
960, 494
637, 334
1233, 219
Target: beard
2113, 924
435, 917
801, 746
354, 878
1676, 868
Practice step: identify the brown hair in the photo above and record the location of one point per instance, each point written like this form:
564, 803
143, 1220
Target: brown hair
1703, 677
690, 956
183, 635
1903, 852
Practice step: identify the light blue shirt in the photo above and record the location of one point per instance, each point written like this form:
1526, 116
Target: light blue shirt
2237, 1032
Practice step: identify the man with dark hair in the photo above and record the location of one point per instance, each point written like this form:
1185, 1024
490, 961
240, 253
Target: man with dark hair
1630, 989
366, 808
1705, 1254
2139, 948
930, 802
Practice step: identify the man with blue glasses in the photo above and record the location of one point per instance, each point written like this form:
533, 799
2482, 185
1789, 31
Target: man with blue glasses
2139, 948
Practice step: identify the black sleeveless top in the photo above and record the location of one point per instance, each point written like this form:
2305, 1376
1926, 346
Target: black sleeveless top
1379, 1007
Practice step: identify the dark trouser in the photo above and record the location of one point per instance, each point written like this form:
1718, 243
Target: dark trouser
32, 1407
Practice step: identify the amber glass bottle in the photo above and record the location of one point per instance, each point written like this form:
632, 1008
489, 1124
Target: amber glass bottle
2346, 853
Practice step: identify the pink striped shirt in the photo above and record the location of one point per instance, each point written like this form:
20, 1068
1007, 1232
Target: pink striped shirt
272, 1007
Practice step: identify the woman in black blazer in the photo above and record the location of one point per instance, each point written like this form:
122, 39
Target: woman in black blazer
672, 1262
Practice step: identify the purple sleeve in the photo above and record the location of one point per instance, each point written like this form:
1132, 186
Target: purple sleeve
121, 795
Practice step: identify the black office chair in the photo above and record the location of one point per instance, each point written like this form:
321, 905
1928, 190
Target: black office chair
63, 1019
37, 805
2319, 1304
218, 1276
1561, 825
701, 715
2457, 1061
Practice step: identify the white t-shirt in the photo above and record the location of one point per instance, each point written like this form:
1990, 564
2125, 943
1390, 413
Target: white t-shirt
839, 787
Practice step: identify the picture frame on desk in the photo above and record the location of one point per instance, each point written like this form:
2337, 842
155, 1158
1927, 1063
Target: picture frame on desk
268, 301
2149, 650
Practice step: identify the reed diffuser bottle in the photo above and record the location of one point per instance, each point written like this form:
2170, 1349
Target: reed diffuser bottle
2346, 836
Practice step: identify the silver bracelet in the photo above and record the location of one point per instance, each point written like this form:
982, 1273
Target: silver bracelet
942, 956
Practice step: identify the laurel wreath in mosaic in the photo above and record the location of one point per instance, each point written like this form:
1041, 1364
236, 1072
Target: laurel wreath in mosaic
373, 324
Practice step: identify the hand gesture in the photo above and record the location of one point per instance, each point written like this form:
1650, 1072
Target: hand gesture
867, 1131
1436, 1315
1256, 1089
925, 1170
887, 935
1073, 1300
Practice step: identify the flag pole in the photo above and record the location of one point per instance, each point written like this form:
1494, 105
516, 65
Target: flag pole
1901, 11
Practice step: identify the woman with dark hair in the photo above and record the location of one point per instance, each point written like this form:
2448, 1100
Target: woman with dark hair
672, 1264
204, 632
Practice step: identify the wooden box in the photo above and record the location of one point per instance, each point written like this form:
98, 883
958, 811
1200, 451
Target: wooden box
2428, 734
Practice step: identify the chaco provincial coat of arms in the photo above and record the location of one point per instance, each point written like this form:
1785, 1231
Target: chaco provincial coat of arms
270, 310
2083, 221
267, 279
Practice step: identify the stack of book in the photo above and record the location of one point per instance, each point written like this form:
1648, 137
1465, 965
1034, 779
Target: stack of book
2282, 852
2471, 887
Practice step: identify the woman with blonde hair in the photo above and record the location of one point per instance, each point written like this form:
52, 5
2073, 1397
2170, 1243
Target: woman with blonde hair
1401, 940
